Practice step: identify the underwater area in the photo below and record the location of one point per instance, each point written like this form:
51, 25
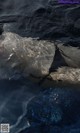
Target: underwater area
32, 109
36, 38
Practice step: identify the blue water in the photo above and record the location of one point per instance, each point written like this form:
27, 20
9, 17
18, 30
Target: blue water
29, 108
14, 97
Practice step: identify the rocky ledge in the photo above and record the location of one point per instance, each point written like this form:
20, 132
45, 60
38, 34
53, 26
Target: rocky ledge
36, 59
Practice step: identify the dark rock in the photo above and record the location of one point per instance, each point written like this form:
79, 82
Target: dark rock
38, 18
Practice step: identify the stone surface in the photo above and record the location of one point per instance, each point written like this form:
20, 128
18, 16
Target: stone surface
54, 110
45, 19
24, 56
41, 18
66, 74
70, 51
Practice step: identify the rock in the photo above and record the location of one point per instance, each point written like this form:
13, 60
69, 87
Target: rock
70, 51
39, 18
27, 57
67, 74
77, 24
24, 56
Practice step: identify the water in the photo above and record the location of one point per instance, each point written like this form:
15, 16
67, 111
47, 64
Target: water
27, 106
14, 97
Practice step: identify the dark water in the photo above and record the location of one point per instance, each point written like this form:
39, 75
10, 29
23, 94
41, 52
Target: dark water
14, 97
24, 105
30, 109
